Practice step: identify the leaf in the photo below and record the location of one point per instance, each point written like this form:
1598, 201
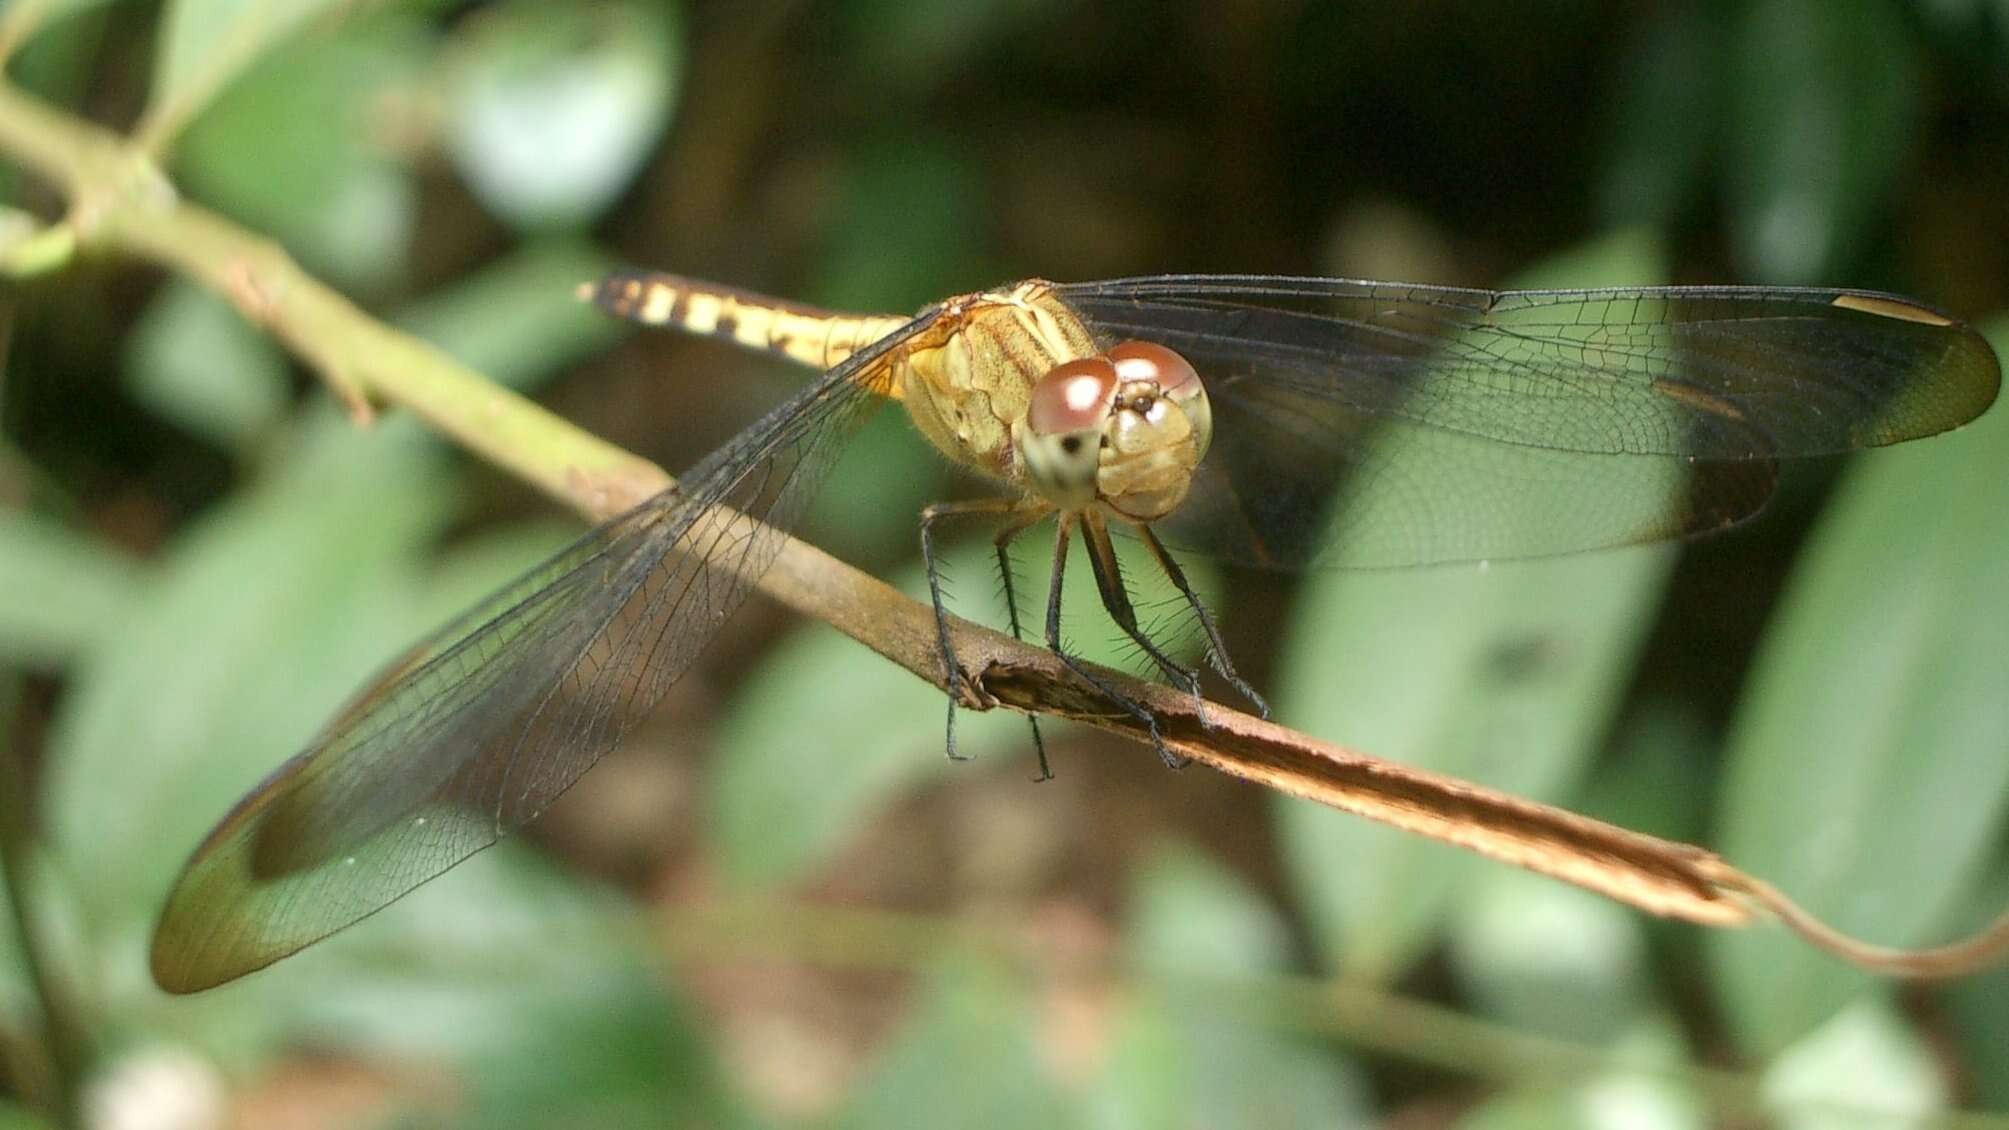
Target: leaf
534, 986
301, 149
1184, 1058
1657, 777
553, 108
899, 239
1506, 675
1823, 100
800, 767
1539, 955
47, 12
1975, 1012
1864, 1067
1664, 124
194, 361
517, 320
61, 592
15, 1117
1649, 1086
204, 44
1866, 774
966, 1058
918, 43
477, 567
1189, 914
265, 618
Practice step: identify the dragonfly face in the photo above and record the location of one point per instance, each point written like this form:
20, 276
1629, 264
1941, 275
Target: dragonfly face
1125, 429
1344, 424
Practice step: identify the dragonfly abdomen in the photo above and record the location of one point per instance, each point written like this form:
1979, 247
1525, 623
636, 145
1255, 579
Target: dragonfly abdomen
807, 335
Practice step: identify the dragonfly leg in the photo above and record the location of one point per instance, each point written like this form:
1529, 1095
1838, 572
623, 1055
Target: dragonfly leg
1217, 651
1002, 545
952, 671
1116, 601
1134, 709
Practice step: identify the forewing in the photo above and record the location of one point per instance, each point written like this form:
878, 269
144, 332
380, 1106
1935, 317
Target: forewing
481, 727
1374, 424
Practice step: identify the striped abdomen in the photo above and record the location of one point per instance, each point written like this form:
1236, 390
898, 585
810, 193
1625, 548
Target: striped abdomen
820, 339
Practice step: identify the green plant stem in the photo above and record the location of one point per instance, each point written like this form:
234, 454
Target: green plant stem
64, 1032
1360, 1014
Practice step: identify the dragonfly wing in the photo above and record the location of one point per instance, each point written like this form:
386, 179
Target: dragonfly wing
481, 727
1376, 424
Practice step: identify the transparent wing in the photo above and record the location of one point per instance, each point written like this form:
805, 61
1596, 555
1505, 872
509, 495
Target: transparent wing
481, 727
1378, 424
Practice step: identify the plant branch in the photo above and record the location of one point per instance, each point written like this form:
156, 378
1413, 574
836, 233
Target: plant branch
120, 202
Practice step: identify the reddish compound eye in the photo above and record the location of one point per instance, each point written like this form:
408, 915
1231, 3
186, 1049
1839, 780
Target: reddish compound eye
1149, 361
1074, 396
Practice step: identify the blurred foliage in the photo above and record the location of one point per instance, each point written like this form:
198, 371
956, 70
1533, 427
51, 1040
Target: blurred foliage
199, 558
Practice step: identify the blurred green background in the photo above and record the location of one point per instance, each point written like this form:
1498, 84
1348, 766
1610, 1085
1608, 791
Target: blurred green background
775, 908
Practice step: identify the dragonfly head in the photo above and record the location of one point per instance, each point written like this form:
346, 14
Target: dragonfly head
1125, 429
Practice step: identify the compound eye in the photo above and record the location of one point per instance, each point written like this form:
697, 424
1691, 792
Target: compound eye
1061, 445
1149, 361
1074, 396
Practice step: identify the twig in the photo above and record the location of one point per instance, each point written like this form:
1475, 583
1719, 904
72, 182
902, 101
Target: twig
122, 203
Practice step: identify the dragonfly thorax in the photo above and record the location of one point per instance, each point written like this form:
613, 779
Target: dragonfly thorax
1124, 430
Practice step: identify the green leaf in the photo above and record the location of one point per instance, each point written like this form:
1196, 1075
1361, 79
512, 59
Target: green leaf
1542, 956
47, 12
1866, 775
1648, 1086
204, 44
534, 989
61, 592
916, 43
15, 1117
1186, 1058
552, 108
265, 618
966, 1058
900, 237
1977, 1009
517, 319
477, 567
1188, 914
1658, 777
905, 212
1823, 100
1865, 1067
872, 502
1664, 124
1506, 675
800, 767
194, 361
533, 984
301, 148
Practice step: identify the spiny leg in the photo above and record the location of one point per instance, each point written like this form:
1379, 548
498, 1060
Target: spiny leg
1217, 651
1003, 548
951, 669
1135, 710
1116, 601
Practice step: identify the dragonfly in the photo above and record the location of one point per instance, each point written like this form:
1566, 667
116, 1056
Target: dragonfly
1272, 422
